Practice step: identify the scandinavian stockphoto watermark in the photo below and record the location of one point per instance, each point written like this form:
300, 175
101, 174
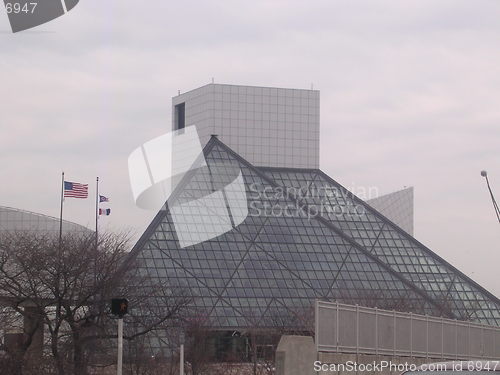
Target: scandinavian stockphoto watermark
307, 201
215, 200
26, 14
214, 197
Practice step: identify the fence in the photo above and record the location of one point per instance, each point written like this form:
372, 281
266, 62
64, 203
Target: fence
344, 328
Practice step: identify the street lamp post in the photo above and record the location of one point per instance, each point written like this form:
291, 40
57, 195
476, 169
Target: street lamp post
495, 205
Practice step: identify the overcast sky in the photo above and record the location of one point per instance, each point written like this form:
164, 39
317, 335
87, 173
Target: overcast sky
410, 96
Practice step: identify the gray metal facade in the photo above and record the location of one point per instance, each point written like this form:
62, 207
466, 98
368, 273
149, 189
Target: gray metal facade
267, 126
342, 328
398, 207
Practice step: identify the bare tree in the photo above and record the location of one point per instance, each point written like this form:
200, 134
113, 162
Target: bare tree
198, 343
66, 285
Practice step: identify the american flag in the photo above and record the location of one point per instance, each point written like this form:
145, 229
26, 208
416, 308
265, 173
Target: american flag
75, 190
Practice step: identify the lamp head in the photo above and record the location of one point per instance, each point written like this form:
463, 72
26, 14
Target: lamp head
484, 173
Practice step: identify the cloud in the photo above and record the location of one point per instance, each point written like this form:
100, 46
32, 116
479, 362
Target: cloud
409, 96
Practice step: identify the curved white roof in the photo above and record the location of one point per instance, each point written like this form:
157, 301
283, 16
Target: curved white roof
13, 219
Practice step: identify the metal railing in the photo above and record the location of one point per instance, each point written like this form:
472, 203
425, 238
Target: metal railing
342, 328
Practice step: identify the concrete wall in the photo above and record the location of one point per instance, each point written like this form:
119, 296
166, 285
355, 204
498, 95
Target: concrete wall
296, 355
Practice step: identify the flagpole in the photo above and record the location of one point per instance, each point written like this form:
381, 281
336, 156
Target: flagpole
96, 211
61, 213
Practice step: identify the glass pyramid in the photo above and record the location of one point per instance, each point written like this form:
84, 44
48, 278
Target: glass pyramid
298, 236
